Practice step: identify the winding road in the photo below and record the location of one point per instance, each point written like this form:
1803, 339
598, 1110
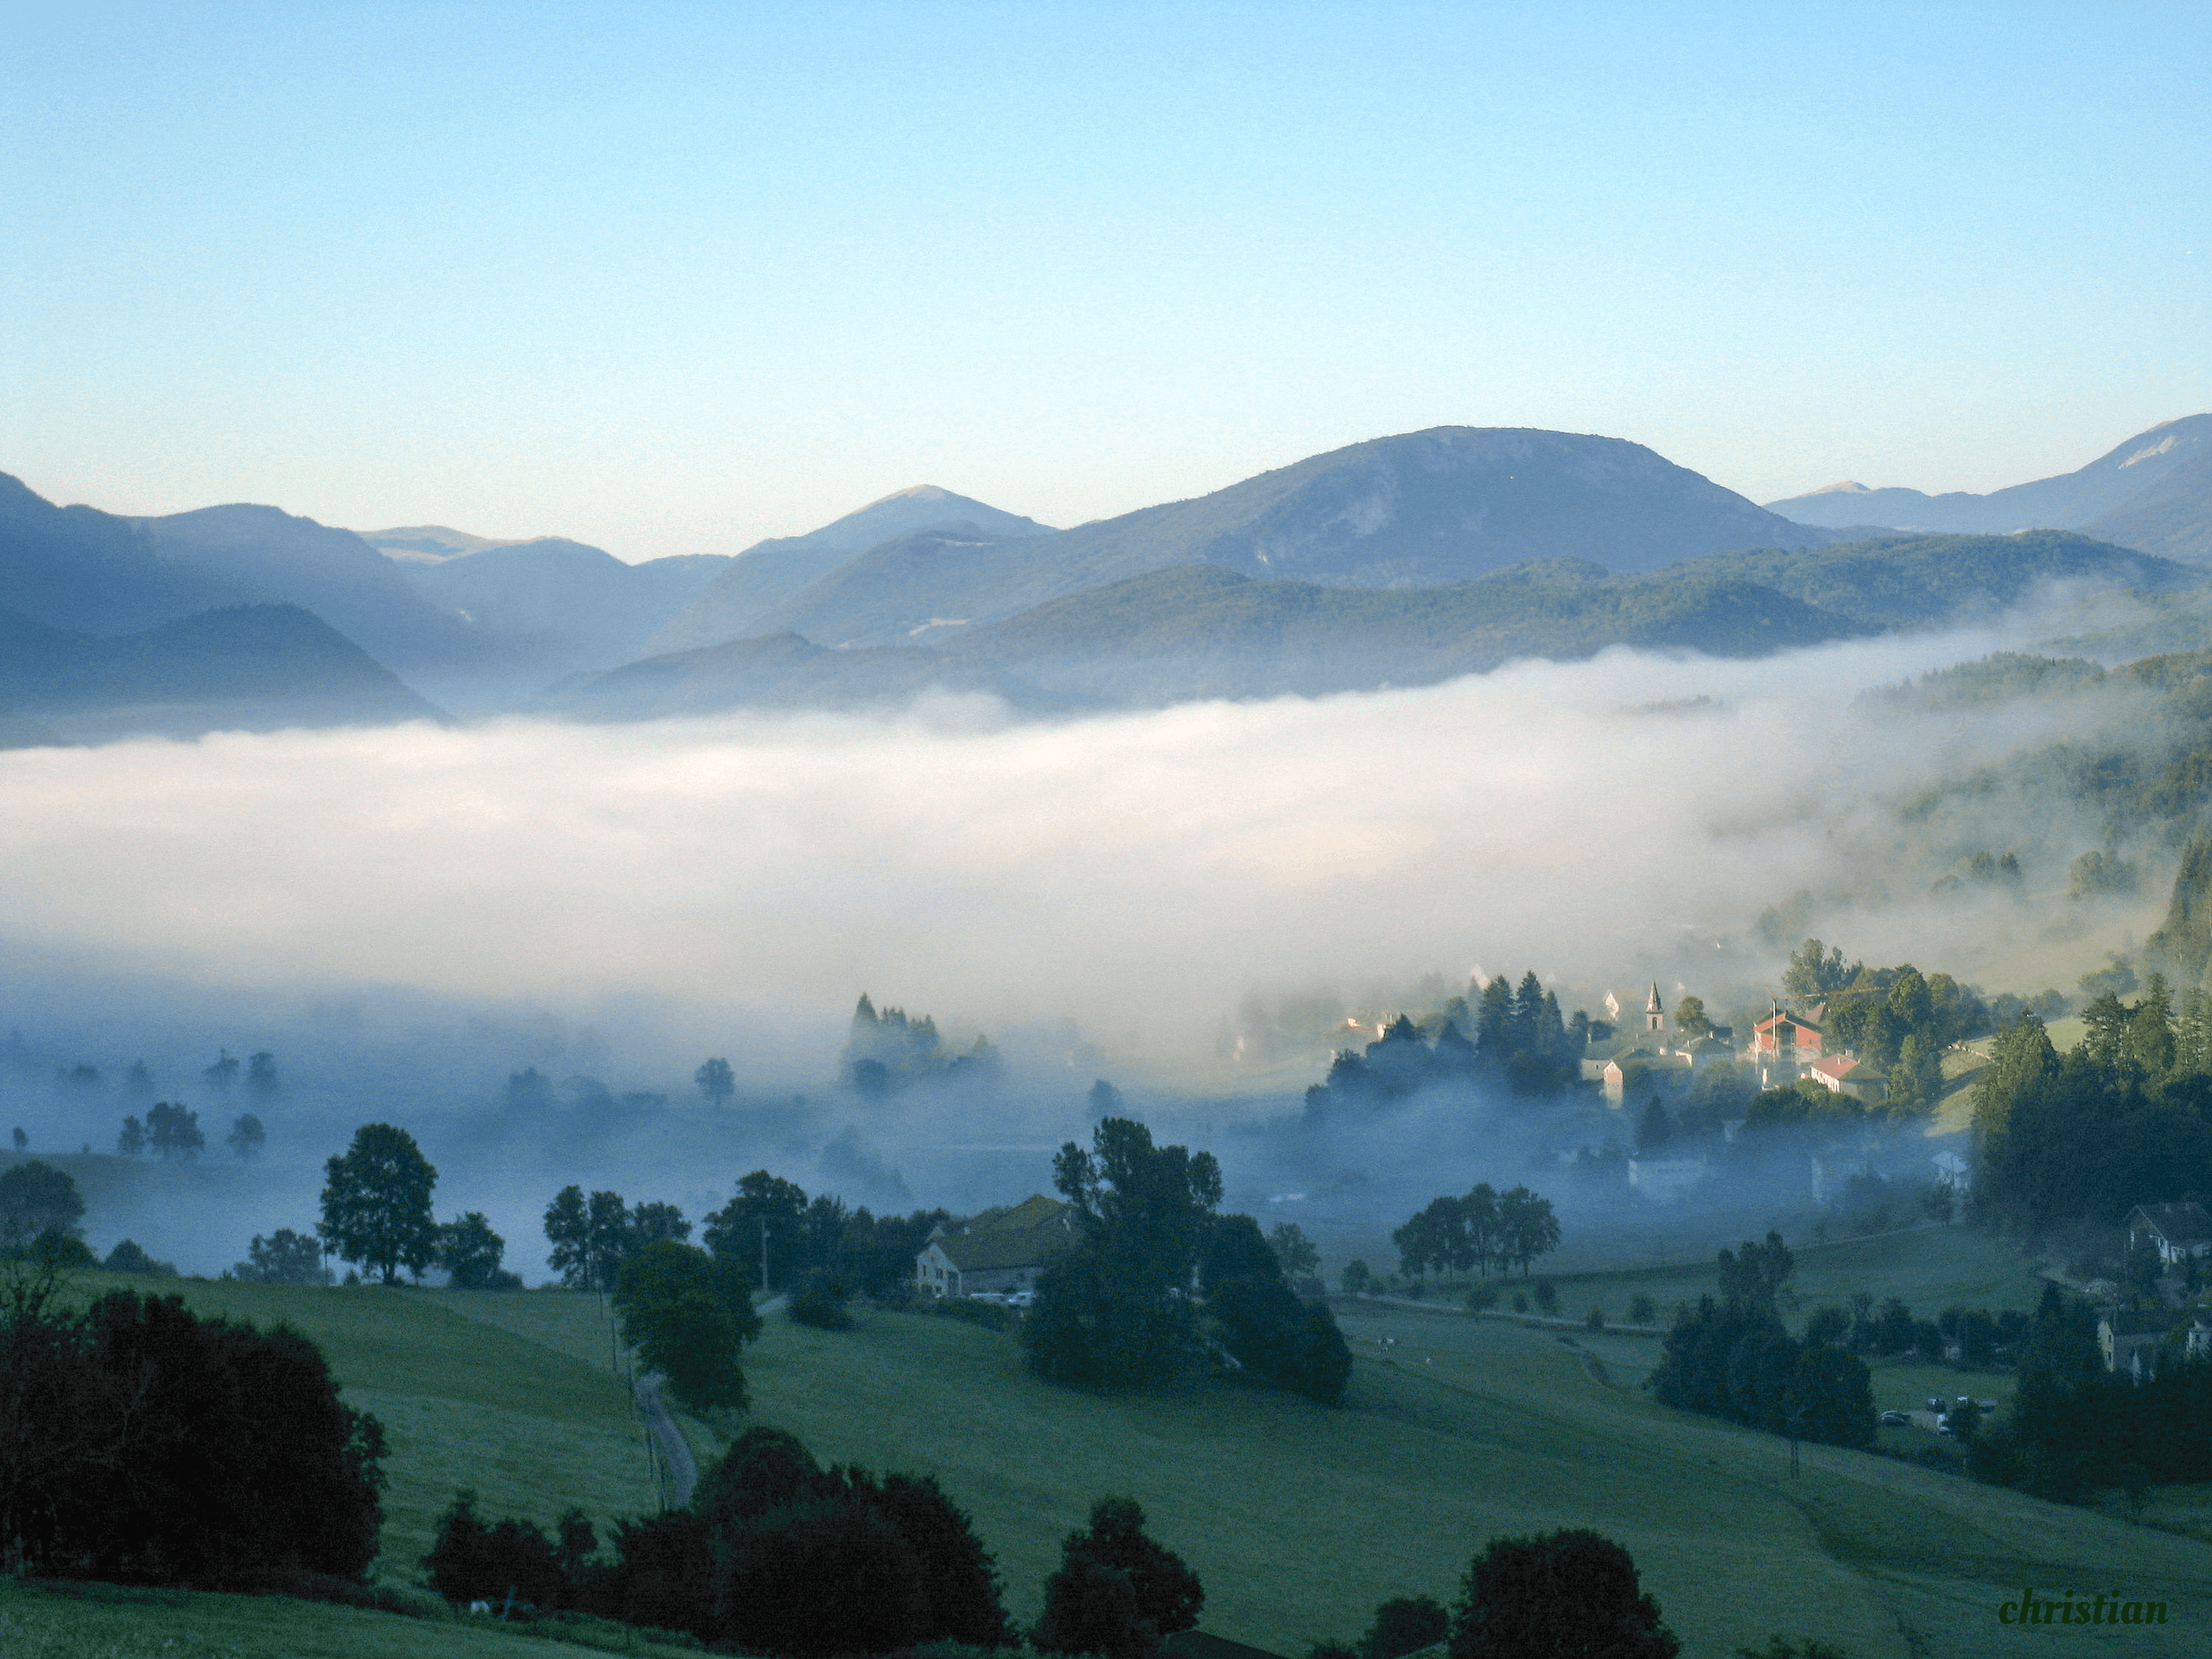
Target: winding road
675, 1451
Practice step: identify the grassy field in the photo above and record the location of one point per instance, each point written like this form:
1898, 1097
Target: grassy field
1298, 1519
99, 1622
1932, 1266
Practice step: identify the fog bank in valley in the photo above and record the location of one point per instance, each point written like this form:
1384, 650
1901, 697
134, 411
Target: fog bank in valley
408, 914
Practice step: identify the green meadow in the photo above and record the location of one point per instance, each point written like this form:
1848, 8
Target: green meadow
1298, 1519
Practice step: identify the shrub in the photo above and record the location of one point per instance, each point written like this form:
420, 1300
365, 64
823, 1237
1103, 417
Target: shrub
1482, 1297
1595, 1319
1404, 1625
1520, 1302
821, 1300
1547, 1296
829, 1575
1640, 1310
1117, 1592
127, 1258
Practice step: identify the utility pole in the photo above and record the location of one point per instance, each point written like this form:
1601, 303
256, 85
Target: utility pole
763, 1253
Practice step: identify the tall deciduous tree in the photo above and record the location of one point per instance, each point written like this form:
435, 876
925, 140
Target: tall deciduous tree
715, 1080
376, 1203
678, 1312
1114, 1309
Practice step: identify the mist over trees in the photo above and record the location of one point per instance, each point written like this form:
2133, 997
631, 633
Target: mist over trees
888, 1053
37, 1202
1514, 1038
283, 1258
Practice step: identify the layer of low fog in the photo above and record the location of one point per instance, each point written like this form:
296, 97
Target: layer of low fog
406, 917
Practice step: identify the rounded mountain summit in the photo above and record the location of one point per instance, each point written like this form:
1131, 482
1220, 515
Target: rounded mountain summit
1447, 505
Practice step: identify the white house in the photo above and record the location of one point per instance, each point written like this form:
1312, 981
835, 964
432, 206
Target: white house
2181, 1232
999, 1251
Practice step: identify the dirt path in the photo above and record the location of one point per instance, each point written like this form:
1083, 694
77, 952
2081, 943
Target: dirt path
683, 1471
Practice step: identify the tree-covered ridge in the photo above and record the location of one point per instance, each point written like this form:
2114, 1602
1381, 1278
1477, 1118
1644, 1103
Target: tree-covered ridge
1903, 581
1188, 629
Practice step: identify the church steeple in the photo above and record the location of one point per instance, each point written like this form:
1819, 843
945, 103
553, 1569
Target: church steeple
1654, 1015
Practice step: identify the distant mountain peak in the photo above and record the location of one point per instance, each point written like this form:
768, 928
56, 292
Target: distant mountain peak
916, 493
1842, 487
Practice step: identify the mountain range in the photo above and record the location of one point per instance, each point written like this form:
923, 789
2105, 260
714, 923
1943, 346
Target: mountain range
2153, 493
1204, 630
770, 575
241, 667
1446, 504
1397, 561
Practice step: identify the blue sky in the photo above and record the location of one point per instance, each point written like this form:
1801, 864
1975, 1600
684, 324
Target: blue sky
670, 278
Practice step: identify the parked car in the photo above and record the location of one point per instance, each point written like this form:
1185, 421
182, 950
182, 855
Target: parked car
1021, 1298
1934, 1403
1896, 1419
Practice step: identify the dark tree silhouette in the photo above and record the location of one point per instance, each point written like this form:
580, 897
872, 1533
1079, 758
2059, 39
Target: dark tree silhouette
1566, 1595
376, 1203
37, 1200
1117, 1591
675, 1313
470, 1251
715, 1080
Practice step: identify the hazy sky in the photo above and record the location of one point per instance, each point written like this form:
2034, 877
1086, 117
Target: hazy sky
670, 278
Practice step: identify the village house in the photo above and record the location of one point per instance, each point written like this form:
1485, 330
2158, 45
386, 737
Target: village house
2130, 1341
1849, 1076
2181, 1232
1954, 1172
998, 1252
2200, 1337
1783, 1045
1645, 1072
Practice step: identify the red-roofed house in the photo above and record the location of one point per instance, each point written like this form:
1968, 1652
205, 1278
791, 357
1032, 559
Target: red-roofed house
1843, 1074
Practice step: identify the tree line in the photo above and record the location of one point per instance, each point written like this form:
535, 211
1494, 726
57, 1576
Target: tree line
1731, 1357
140, 1443
1482, 1230
775, 1554
1512, 1037
2073, 1429
2124, 1117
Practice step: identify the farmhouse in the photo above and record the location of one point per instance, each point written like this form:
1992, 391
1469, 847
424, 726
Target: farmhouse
999, 1251
1954, 1172
2130, 1341
2181, 1232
